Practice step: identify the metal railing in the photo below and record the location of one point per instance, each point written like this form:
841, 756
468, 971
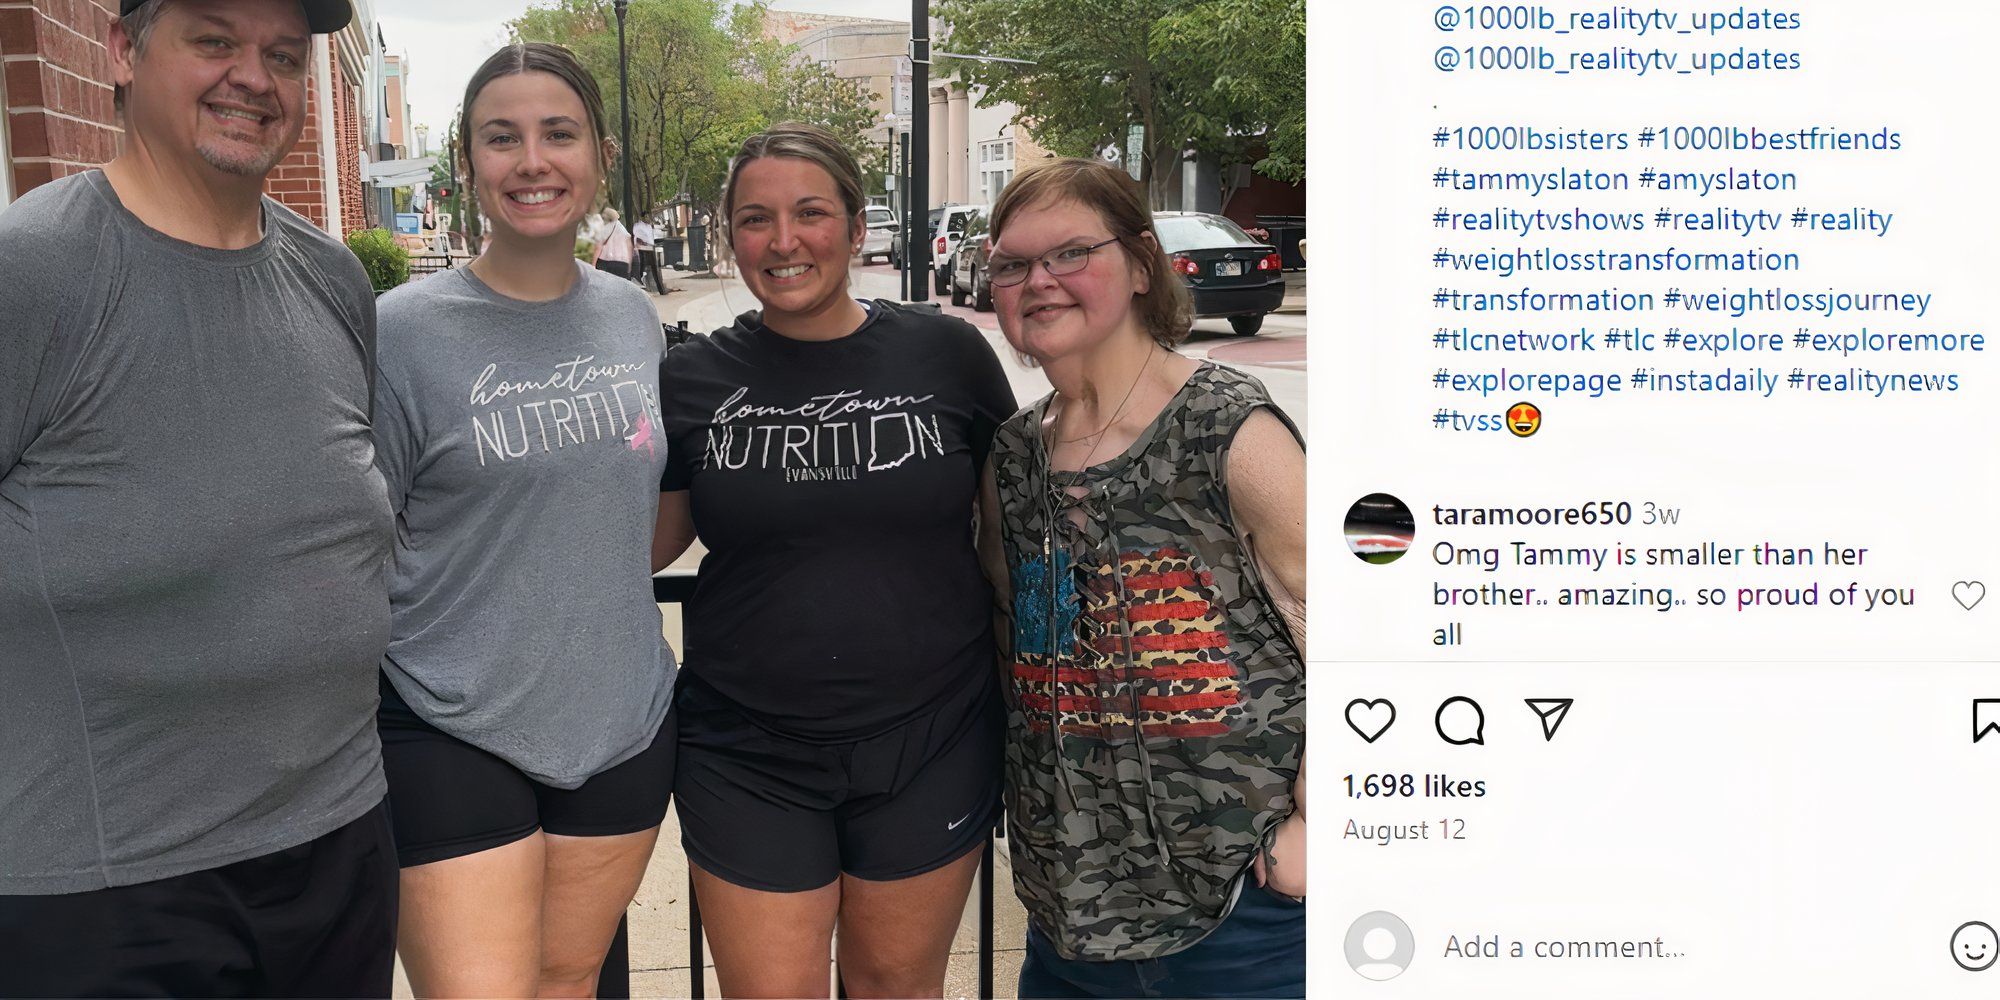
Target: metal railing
615, 979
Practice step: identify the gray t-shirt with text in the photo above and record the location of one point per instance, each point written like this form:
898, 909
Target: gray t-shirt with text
522, 450
192, 535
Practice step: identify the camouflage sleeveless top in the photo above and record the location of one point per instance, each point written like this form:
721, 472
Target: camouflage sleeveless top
1156, 713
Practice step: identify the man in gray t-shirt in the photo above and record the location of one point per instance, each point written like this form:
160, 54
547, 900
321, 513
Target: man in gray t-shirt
192, 536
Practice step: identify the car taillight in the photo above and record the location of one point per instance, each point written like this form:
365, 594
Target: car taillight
940, 247
1271, 262
1182, 265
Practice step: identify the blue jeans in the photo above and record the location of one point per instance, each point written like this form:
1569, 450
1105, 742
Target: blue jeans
1259, 951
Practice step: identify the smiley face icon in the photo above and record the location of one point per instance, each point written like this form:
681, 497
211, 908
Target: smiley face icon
1524, 419
1974, 946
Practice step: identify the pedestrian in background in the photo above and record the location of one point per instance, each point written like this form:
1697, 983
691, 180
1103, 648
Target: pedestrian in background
1152, 549
525, 693
840, 722
614, 251
644, 236
192, 534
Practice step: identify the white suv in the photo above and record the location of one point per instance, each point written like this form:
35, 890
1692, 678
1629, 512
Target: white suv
947, 228
881, 232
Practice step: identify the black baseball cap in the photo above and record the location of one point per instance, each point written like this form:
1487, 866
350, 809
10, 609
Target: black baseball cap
324, 16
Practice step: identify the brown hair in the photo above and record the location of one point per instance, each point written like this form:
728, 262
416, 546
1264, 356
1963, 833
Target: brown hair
543, 57
800, 141
138, 27
1165, 310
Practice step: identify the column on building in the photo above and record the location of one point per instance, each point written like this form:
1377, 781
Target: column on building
940, 145
958, 132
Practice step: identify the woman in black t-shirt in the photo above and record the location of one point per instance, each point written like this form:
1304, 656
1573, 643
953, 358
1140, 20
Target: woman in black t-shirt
840, 723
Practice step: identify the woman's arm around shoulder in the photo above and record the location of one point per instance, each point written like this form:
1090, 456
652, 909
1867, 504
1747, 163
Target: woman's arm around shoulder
673, 532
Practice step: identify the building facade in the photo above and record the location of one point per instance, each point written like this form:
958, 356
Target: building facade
56, 93
396, 128
973, 151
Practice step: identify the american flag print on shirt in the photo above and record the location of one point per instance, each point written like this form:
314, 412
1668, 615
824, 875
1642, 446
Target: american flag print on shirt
1178, 678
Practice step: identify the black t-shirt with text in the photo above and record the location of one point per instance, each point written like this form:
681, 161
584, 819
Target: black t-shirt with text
833, 483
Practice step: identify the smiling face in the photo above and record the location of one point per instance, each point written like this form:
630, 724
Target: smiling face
1049, 317
792, 237
535, 163
221, 82
1975, 946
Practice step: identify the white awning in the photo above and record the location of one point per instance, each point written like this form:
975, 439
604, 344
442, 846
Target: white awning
401, 173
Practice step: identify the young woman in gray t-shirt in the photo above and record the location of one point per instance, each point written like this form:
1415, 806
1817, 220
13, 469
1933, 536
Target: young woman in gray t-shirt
524, 721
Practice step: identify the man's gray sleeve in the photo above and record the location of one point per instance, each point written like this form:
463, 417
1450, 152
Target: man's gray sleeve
29, 313
396, 450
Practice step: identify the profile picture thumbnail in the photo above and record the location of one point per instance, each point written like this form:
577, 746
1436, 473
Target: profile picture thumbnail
1379, 528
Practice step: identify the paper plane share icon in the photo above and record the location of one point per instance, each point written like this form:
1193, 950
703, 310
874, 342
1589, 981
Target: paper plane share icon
1551, 711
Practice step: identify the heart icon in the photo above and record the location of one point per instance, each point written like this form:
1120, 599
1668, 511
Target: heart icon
1370, 718
1968, 593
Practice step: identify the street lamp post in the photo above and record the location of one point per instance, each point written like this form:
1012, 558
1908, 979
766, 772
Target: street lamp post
624, 114
917, 160
912, 232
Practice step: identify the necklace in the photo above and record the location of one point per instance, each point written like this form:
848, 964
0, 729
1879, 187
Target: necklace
1097, 437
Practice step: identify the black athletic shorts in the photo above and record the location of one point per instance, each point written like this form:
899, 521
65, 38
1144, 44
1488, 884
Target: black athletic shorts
449, 798
315, 920
766, 812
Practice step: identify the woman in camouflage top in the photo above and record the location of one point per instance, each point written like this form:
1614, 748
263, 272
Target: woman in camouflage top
1149, 548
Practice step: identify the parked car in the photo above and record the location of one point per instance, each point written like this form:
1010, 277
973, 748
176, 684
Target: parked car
970, 281
882, 230
1228, 273
946, 226
945, 240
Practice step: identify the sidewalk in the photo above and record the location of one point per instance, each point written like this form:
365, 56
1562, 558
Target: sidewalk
1295, 295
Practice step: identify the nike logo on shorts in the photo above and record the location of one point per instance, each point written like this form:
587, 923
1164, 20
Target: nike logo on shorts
961, 819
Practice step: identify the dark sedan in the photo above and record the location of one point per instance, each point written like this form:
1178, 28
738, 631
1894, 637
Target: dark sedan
970, 283
1228, 273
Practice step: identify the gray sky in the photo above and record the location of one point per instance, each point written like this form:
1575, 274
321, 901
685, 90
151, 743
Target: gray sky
447, 39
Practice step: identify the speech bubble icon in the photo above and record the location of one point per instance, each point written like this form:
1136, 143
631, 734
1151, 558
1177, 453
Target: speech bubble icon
1460, 720
1985, 718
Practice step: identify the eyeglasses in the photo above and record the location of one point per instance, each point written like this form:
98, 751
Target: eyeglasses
1007, 271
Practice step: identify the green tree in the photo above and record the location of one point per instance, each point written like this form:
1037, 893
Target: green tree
703, 78
1259, 79
1216, 75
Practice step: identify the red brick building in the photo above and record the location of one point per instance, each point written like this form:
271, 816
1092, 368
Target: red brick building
55, 87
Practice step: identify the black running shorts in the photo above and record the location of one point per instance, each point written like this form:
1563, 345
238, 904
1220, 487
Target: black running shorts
449, 798
315, 920
766, 812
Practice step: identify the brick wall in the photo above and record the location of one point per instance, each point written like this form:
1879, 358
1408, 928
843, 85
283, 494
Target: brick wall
299, 180
59, 117
346, 110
